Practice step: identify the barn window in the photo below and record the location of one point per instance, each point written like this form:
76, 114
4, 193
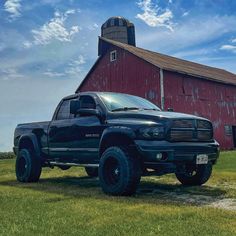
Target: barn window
120, 22
228, 130
113, 55
112, 22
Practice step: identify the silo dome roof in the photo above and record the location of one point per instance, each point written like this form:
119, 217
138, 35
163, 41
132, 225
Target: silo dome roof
116, 21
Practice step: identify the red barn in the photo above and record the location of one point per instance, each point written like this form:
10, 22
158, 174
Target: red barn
166, 81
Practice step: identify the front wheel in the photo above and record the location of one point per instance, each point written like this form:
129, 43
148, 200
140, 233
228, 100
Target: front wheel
28, 166
119, 171
195, 175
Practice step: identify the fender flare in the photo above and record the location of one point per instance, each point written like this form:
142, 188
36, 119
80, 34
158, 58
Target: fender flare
116, 130
33, 139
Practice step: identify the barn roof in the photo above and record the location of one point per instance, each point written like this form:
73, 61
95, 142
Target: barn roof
170, 63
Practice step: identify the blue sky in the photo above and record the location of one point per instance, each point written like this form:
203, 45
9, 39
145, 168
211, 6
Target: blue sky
47, 46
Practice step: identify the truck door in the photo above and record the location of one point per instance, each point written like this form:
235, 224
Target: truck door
58, 134
85, 133
75, 138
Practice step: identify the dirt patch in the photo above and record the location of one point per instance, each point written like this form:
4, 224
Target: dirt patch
191, 198
201, 200
226, 203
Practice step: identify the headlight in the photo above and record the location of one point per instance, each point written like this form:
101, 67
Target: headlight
157, 132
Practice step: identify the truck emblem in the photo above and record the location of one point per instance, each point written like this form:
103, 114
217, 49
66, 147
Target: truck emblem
92, 135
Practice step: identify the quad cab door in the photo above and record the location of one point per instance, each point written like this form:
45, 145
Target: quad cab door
75, 138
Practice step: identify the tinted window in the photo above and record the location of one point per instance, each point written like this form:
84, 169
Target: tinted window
87, 102
64, 111
115, 101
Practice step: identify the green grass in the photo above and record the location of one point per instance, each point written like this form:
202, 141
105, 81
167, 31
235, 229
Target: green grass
69, 203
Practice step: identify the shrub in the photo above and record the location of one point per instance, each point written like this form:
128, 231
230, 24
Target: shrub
7, 155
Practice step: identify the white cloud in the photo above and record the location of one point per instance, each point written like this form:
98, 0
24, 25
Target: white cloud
74, 29
74, 67
79, 61
52, 74
13, 7
73, 71
227, 47
192, 53
55, 29
93, 26
10, 74
189, 34
154, 16
27, 44
234, 40
186, 13
69, 12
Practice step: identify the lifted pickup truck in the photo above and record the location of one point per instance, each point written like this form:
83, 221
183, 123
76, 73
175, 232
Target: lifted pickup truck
118, 137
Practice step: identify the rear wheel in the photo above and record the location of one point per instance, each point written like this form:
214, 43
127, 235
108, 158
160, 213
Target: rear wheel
28, 166
195, 175
119, 171
91, 171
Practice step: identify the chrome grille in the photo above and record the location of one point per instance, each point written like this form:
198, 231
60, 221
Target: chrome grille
204, 135
203, 124
183, 124
190, 130
181, 135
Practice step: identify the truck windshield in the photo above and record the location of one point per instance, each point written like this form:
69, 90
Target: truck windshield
123, 102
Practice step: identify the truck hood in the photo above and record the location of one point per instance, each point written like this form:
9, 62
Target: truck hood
153, 115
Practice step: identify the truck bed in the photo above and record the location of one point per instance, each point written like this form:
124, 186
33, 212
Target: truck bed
38, 128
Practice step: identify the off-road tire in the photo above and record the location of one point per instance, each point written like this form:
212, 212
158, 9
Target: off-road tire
119, 171
201, 176
92, 171
28, 166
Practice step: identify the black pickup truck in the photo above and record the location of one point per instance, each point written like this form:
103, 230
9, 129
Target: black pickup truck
118, 137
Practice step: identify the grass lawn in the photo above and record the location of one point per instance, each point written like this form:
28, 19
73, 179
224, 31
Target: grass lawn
69, 203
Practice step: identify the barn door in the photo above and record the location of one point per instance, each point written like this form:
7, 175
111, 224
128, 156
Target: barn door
234, 135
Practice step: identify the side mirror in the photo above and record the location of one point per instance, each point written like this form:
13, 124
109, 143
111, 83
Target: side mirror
89, 112
170, 109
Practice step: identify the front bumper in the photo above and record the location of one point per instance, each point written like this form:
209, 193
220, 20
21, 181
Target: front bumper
176, 152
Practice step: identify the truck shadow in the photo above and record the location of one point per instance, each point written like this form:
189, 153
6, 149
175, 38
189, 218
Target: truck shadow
80, 187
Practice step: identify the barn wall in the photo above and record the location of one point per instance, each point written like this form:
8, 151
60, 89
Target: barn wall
183, 93
128, 74
212, 100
